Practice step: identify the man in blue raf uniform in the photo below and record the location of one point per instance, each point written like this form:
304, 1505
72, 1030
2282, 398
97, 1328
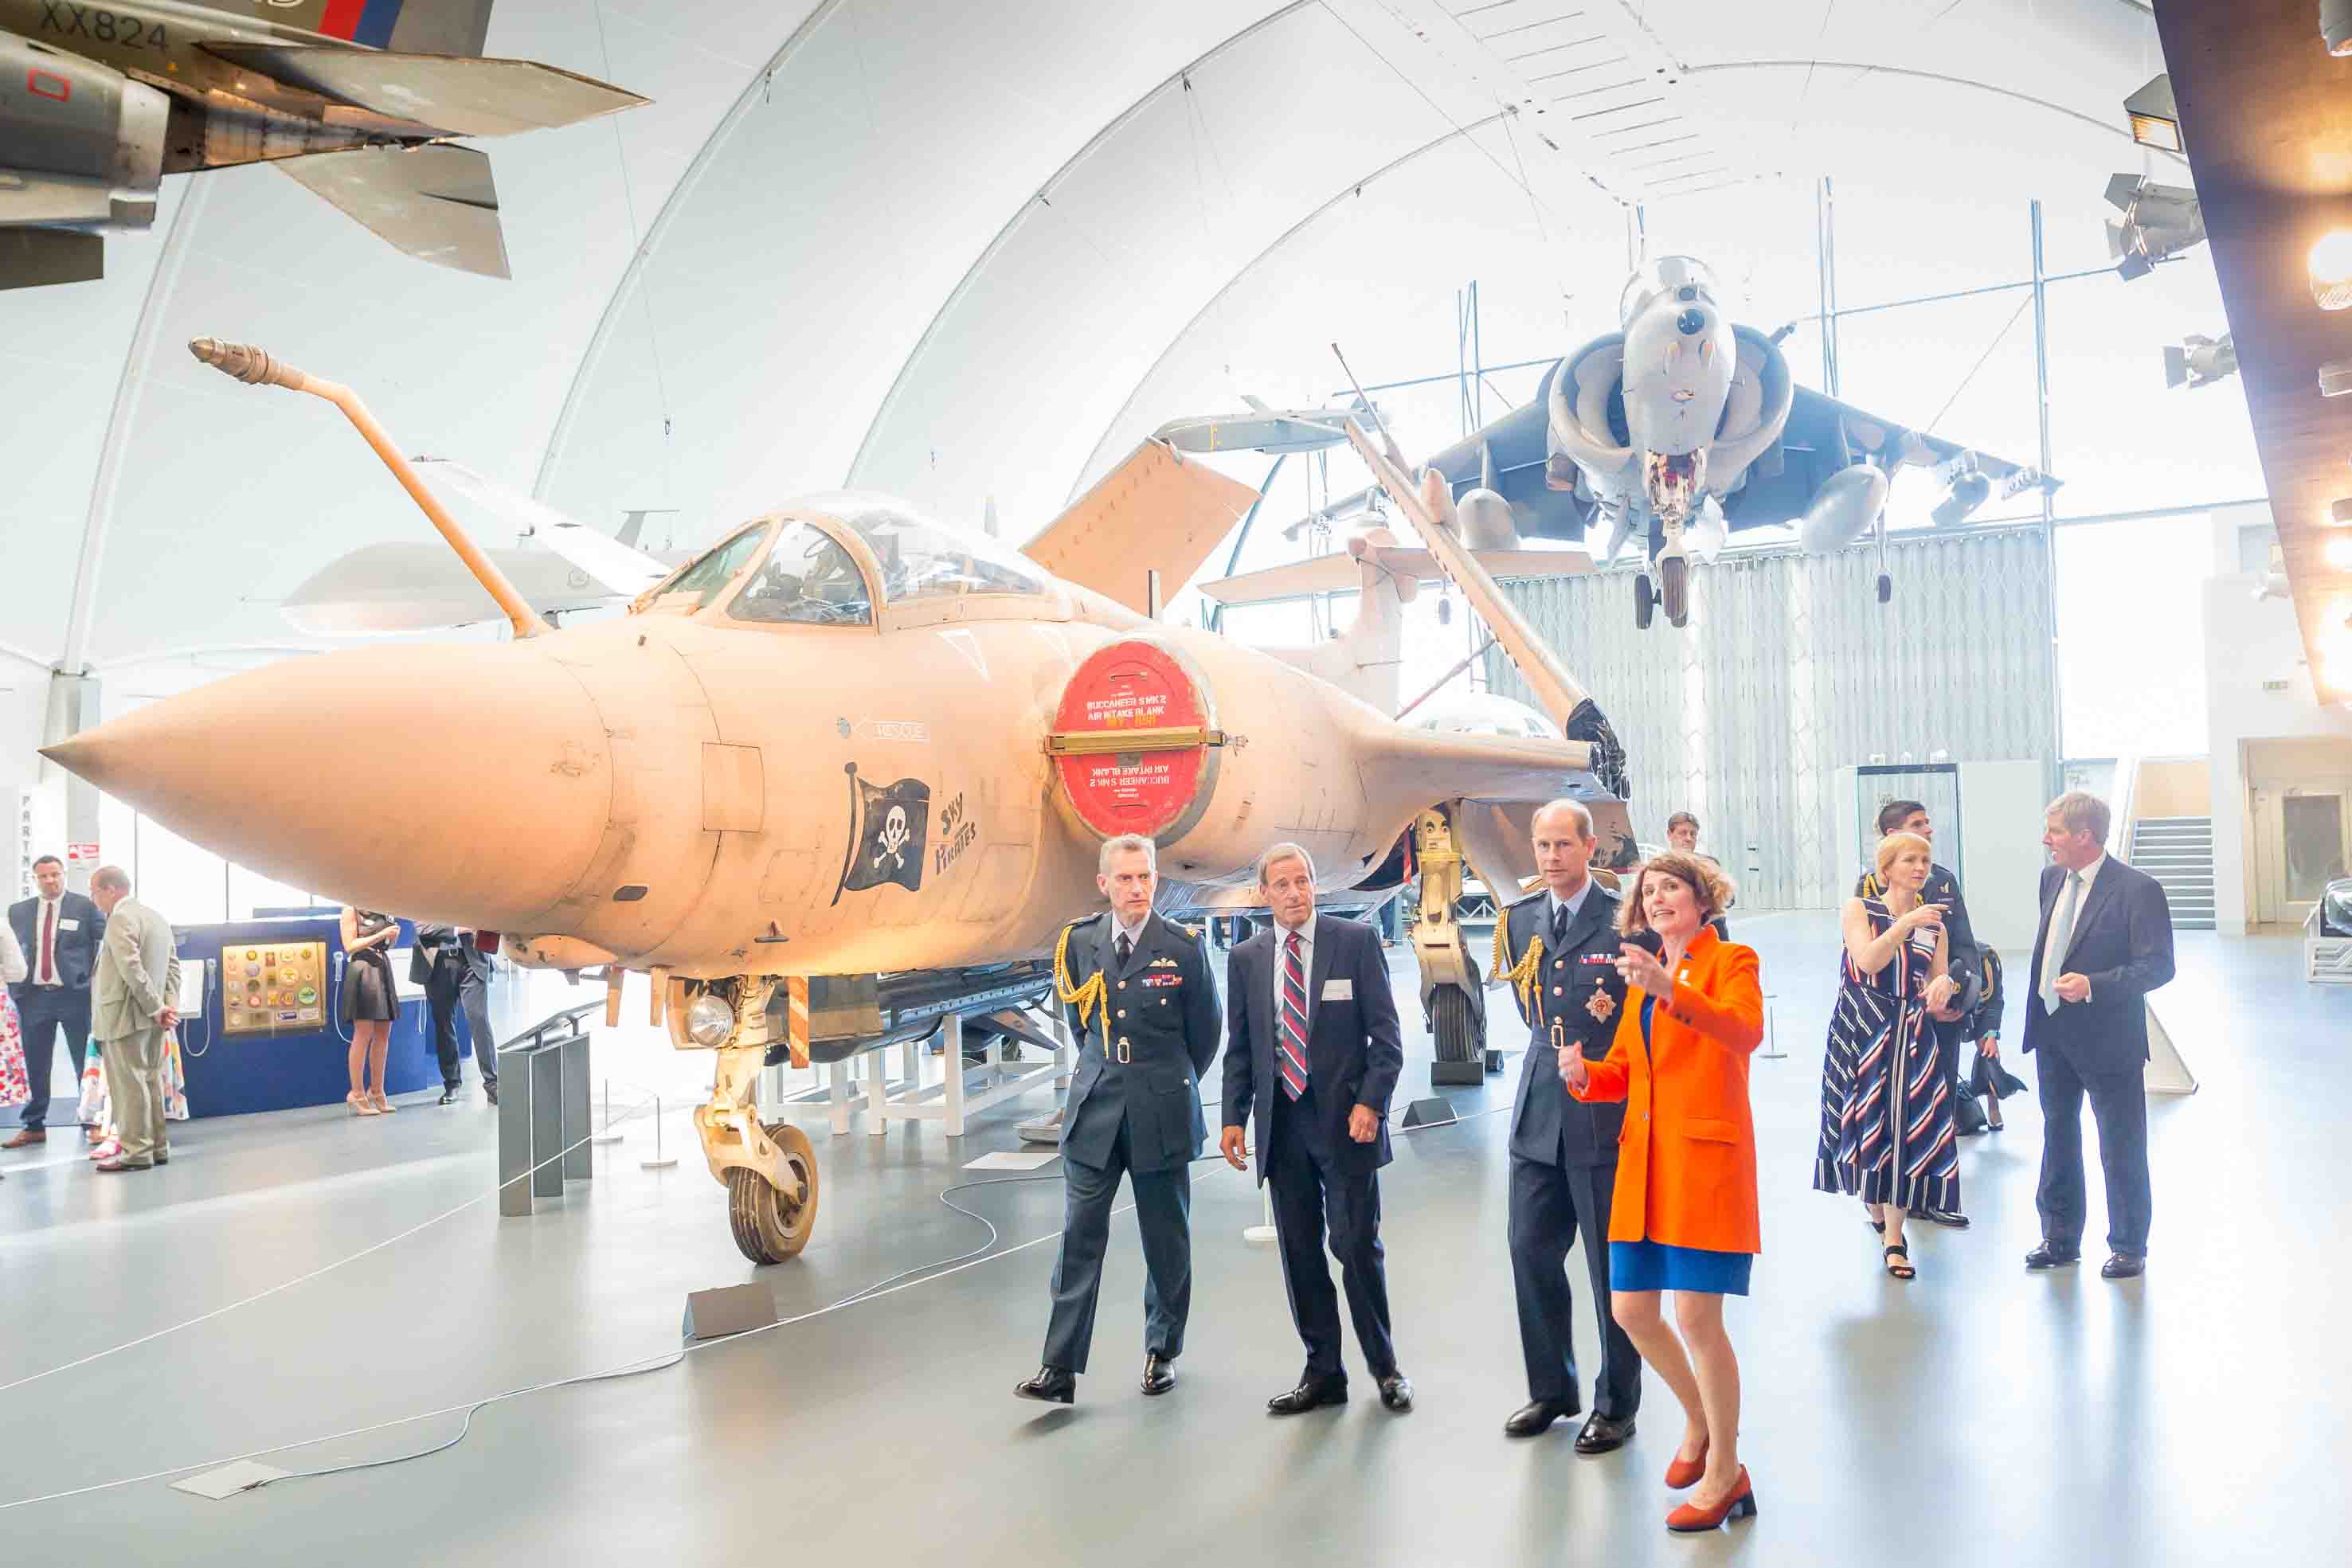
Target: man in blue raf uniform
1564, 1151
1140, 999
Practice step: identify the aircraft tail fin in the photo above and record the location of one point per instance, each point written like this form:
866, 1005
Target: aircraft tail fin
1155, 512
438, 203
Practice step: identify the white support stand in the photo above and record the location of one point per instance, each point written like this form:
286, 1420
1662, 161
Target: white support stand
952, 1101
2167, 1072
841, 1101
1262, 1235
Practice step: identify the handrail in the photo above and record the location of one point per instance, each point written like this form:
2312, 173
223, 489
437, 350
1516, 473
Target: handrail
570, 1017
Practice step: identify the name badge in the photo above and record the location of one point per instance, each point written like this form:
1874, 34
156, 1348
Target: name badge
69, 925
1338, 990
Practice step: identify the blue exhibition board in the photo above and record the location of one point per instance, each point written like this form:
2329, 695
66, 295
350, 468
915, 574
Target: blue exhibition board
230, 1074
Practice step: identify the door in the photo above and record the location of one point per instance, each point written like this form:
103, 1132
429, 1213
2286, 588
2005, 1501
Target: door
2311, 837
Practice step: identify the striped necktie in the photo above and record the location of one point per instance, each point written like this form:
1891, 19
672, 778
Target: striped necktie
1292, 1039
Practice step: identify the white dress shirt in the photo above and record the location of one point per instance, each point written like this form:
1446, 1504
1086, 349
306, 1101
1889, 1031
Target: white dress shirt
2053, 956
1306, 969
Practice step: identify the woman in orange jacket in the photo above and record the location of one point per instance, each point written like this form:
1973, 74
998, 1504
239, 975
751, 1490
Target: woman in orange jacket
1683, 1215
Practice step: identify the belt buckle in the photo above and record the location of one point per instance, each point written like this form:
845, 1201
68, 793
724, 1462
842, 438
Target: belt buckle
1126, 1053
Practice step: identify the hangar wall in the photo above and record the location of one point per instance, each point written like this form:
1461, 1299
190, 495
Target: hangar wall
1789, 670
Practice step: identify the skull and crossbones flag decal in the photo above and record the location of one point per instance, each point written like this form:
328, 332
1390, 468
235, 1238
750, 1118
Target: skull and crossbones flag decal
891, 824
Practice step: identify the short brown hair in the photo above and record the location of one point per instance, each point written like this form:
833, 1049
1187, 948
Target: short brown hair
2079, 812
1678, 819
1690, 870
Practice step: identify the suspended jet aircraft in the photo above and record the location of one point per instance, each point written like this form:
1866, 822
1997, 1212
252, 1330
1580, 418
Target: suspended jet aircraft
847, 762
1263, 429
1682, 426
357, 100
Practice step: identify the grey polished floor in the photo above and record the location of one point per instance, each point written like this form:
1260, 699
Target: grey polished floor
1976, 1416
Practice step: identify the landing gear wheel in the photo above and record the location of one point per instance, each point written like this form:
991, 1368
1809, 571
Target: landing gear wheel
1885, 587
1674, 583
1643, 602
772, 1227
1451, 1023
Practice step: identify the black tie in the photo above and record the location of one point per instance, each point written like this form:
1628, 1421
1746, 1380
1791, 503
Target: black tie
1559, 926
1125, 948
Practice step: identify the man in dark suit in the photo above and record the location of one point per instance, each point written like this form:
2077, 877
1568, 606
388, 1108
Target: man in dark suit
2106, 942
61, 934
1962, 950
1143, 1004
1314, 1046
456, 974
1564, 1151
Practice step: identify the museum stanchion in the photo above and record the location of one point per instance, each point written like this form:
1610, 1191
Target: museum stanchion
544, 1126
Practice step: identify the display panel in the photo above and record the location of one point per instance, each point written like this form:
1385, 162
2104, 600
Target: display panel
271, 986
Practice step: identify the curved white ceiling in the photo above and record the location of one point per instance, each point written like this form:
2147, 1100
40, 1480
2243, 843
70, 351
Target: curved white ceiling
1049, 226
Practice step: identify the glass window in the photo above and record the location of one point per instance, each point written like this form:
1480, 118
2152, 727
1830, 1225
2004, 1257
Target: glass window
807, 578
704, 578
924, 560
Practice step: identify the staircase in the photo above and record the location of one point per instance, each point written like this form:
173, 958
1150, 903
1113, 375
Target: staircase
2179, 853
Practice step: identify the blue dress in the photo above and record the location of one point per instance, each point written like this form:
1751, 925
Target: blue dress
1887, 1135
1659, 1266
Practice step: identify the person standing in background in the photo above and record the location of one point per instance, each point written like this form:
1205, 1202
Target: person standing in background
1682, 837
371, 1003
13, 1090
2106, 942
134, 997
59, 933
455, 972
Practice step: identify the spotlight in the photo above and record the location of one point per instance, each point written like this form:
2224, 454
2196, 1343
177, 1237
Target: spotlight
2330, 267
2160, 222
1967, 490
2338, 554
2155, 119
2336, 25
2199, 362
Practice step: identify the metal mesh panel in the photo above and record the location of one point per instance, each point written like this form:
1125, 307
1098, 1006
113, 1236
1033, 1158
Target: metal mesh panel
1789, 670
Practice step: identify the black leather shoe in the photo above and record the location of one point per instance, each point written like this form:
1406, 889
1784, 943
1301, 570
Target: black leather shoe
1158, 1374
2050, 1255
1604, 1434
1396, 1392
2124, 1266
1534, 1418
1051, 1385
1310, 1392
1950, 1219
490, 1089
448, 1096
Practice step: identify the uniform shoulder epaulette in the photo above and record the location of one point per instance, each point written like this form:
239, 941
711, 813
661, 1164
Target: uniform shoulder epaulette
1528, 898
1087, 919
1197, 933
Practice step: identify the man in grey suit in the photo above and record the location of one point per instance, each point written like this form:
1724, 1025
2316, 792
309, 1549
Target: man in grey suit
132, 1007
2106, 942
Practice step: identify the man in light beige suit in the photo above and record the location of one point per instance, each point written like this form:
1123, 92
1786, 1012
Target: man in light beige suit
132, 995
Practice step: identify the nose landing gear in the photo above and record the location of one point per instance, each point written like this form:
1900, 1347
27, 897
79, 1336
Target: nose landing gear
769, 1168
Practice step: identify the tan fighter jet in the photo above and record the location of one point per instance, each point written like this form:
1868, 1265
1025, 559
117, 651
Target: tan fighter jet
357, 100
844, 745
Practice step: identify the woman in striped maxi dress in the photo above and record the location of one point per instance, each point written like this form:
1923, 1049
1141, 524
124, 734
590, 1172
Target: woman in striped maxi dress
1887, 1113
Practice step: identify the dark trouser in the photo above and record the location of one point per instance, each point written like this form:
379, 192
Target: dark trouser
45, 1012
473, 990
1311, 1190
1549, 1204
441, 998
2119, 1104
1163, 1214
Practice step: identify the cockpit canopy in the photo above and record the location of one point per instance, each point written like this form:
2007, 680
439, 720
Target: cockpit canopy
1666, 277
808, 575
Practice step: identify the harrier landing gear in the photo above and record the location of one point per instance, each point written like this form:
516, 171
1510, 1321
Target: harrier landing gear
1645, 602
1453, 992
769, 1168
1674, 579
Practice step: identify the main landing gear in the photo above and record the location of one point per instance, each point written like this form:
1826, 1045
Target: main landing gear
1671, 593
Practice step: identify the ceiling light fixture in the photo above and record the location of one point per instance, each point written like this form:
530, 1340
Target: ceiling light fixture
2155, 118
2336, 377
2338, 554
2199, 362
2330, 266
2339, 514
2160, 222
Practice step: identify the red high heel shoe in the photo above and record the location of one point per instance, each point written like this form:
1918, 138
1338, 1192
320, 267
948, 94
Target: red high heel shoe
1681, 1472
1741, 1504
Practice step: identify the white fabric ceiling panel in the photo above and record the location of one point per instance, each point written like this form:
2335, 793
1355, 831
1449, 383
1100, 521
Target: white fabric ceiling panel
1018, 380
796, 276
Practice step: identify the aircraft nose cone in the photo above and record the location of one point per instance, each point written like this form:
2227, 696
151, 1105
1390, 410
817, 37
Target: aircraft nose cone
1691, 323
450, 782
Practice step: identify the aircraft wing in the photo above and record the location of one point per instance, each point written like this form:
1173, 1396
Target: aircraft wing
437, 203
1443, 764
627, 572
1155, 511
455, 95
1340, 572
1824, 435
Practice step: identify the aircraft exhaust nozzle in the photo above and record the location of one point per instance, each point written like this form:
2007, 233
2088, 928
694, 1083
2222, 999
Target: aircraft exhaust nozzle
245, 364
298, 770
